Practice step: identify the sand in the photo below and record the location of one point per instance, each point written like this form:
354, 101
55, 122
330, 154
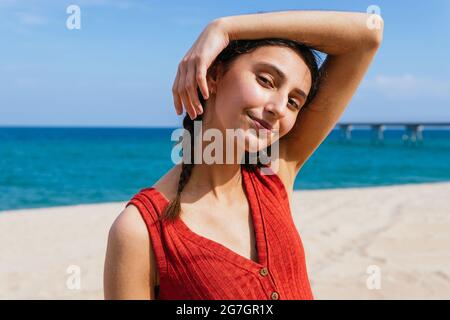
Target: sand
364, 243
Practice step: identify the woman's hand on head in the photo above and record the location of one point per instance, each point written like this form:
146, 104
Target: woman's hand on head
192, 69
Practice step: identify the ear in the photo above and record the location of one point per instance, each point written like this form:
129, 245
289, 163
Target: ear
213, 77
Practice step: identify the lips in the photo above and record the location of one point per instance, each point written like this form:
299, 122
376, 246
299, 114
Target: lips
261, 122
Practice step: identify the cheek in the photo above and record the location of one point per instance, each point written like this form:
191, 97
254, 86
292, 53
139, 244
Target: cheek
235, 97
252, 94
287, 123
244, 93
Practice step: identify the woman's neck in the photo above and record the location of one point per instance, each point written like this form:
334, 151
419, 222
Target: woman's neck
222, 182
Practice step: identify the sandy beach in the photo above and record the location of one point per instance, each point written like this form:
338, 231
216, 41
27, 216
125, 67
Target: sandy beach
363, 243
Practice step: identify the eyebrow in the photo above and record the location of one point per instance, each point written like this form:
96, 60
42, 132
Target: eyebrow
280, 74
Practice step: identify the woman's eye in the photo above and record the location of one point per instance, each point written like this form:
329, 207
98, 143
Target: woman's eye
295, 104
265, 80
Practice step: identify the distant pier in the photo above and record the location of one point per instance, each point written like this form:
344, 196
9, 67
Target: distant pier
412, 135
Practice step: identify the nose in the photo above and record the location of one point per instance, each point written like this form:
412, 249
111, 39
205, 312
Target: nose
277, 105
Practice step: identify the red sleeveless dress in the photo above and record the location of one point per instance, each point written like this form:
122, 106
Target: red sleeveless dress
193, 267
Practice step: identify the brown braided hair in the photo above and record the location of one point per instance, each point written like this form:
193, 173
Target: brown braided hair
225, 58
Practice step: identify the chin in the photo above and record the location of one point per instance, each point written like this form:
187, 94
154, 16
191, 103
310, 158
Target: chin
259, 143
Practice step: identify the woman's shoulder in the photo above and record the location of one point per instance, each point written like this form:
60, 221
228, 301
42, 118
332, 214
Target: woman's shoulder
129, 257
128, 225
128, 238
163, 189
167, 185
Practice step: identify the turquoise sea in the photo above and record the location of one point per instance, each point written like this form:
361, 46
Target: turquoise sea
42, 167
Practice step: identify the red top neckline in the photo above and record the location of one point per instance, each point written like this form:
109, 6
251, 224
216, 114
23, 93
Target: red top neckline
222, 250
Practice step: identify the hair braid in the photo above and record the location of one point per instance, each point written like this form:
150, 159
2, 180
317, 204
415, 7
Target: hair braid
174, 207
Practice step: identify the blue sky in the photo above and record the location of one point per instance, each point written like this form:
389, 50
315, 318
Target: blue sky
118, 69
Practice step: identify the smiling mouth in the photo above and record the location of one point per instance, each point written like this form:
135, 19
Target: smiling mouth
260, 124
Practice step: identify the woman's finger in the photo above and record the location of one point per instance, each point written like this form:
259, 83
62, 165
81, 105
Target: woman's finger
191, 87
176, 98
178, 104
183, 92
191, 111
201, 79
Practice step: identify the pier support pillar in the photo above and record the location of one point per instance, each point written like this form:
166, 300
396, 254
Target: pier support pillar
378, 133
413, 134
346, 131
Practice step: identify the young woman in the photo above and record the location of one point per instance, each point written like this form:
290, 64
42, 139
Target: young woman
225, 231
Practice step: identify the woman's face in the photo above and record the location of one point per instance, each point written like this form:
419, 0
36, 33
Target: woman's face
253, 89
